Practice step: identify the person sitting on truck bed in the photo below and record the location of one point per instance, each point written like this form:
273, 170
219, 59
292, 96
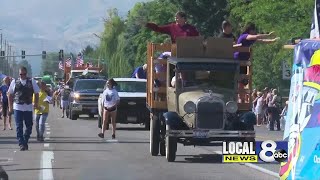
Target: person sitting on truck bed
178, 29
227, 31
140, 72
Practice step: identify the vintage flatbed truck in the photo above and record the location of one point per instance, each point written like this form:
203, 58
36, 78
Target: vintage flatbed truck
202, 108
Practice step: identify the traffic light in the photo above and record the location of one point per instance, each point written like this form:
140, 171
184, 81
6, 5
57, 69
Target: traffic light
2, 53
44, 54
61, 54
23, 54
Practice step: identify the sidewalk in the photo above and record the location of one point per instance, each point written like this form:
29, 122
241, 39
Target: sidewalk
262, 134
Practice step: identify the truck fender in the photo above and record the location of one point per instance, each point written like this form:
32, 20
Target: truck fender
174, 121
249, 119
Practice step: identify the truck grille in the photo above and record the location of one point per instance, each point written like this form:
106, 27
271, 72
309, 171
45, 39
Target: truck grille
88, 98
210, 115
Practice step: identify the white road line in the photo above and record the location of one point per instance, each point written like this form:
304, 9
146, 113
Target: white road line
46, 123
46, 165
112, 141
256, 167
48, 132
48, 129
46, 145
47, 138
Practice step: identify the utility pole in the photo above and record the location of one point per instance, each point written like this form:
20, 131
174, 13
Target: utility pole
5, 54
9, 60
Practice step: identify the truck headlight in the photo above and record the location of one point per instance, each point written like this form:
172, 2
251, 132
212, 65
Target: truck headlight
231, 107
76, 95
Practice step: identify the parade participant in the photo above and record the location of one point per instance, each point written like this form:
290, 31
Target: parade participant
111, 101
42, 112
227, 31
140, 72
180, 28
64, 94
20, 95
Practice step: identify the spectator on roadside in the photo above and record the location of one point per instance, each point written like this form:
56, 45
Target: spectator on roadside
42, 112
4, 102
111, 101
273, 110
180, 28
20, 95
140, 72
259, 107
227, 31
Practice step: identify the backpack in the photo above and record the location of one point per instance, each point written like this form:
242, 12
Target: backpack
65, 94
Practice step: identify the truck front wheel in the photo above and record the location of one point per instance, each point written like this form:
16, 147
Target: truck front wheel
154, 135
171, 147
73, 116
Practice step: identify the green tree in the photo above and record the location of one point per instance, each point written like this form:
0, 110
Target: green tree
206, 15
50, 65
291, 18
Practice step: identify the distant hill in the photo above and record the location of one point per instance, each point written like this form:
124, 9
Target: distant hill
51, 25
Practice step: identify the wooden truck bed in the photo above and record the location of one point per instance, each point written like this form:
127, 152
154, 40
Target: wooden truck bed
156, 96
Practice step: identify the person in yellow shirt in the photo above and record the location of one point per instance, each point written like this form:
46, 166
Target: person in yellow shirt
42, 112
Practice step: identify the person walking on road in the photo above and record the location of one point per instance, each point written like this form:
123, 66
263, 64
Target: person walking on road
20, 95
5, 111
64, 94
43, 111
111, 101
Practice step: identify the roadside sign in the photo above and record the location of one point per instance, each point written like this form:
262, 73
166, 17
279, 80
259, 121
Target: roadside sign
286, 70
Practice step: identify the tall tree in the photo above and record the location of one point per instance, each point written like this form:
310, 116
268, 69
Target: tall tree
291, 18
206, 15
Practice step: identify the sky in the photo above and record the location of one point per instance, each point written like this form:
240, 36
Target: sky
37, 25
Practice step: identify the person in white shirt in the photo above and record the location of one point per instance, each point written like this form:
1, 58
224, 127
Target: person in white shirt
111, 101
20, 95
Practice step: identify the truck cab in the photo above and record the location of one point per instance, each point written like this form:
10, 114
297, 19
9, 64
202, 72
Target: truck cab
198, 104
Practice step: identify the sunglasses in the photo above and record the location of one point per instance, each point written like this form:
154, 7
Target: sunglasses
23, 74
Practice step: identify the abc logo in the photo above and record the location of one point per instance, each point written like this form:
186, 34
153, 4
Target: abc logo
269, 153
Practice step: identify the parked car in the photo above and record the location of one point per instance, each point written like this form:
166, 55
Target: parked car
84, 97
132, 108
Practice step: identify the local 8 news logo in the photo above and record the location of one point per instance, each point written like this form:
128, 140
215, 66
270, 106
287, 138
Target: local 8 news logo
260, 151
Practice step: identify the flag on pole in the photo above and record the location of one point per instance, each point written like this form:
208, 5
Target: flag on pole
79, 61
61, 65
68, 62
314, 33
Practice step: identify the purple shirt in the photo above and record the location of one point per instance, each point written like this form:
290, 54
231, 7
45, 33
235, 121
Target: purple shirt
245, 43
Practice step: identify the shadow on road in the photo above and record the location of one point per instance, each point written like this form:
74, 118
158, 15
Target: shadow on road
132, 128
134, 142
82, 150
203, 158
35, 169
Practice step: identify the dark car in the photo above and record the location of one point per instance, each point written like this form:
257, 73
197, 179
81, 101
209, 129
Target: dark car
132, 108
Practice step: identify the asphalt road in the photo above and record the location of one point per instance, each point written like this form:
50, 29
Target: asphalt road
73, 151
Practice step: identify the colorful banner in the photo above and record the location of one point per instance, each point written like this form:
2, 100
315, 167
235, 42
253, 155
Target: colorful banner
302, 130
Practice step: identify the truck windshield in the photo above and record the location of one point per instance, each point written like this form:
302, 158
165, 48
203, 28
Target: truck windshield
131, 86
89, 85
208, 79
